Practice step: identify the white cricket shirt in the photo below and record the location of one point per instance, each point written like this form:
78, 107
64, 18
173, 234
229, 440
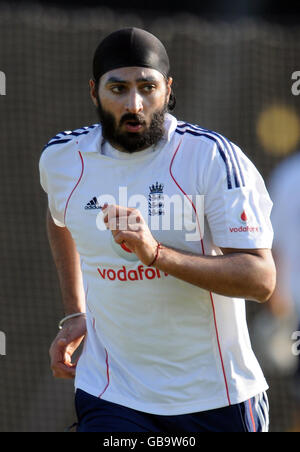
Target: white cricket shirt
155, 343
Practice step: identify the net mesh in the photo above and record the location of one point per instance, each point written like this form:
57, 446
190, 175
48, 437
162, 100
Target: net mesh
230, 77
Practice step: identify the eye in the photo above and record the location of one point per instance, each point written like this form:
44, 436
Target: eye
148, 88
118, 89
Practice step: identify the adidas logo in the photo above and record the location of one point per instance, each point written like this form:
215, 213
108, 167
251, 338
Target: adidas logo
93, 204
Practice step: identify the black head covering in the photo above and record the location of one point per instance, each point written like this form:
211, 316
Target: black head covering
130, 47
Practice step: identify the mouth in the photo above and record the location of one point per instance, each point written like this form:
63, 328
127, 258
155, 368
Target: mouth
133, 126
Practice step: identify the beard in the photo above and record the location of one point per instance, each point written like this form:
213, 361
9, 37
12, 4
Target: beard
132, 141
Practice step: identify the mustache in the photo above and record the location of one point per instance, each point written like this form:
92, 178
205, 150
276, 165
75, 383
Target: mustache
132, 117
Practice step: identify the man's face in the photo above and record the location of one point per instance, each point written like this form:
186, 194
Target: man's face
131, 103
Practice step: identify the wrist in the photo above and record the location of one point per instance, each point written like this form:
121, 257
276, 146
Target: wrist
73, 311
156, 255
69, 317
73, 305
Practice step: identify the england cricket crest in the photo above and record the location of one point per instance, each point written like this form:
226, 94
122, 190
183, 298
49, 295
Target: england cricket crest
156, 200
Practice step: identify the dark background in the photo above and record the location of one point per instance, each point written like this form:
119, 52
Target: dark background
230, 10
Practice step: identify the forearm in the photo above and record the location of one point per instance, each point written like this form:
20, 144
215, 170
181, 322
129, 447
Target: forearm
237, 275
67, 262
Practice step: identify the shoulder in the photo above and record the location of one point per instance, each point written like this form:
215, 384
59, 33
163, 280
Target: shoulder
216, 152
61, 162
68, 136
201, 134
64, 143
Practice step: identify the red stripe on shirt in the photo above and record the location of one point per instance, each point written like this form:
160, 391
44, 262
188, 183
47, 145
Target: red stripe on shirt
107, 375
203, 251
80, 177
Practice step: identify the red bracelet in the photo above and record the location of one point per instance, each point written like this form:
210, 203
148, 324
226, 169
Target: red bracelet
156, 254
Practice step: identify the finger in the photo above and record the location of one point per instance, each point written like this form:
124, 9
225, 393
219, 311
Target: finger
57, 349
123, 223
68, 351
105, 212
61, 352
60, 370
114, 210
62, 343
118, 237
61, 364
124, 236
117, 224
63, 369
135, 217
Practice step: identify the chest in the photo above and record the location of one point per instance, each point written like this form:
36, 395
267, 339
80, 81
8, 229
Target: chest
165, 192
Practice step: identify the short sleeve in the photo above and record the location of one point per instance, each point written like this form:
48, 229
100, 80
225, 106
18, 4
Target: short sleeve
45, 181
237, 204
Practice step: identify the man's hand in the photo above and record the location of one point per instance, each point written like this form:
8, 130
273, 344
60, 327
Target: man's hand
129, 227
240, 273
64, 345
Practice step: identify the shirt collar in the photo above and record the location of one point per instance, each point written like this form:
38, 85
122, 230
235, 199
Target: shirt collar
92, 141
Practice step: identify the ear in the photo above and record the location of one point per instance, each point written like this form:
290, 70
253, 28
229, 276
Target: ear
93, 92
169, 86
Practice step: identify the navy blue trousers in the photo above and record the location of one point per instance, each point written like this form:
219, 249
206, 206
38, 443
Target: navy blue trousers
97, 415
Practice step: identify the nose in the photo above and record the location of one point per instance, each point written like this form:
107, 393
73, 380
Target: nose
134, 102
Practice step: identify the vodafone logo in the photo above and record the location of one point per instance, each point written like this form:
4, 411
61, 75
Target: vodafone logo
245, 219
139, 274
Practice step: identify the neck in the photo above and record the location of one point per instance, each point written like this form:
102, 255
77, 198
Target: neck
120, 148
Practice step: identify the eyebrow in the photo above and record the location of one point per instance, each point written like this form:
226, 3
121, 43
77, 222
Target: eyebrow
147, 79
142, 79
114, 80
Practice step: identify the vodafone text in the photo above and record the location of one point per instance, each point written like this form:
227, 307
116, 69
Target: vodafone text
123, 274
245, 229
2, 84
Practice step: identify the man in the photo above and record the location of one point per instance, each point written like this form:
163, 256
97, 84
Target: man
166, 343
